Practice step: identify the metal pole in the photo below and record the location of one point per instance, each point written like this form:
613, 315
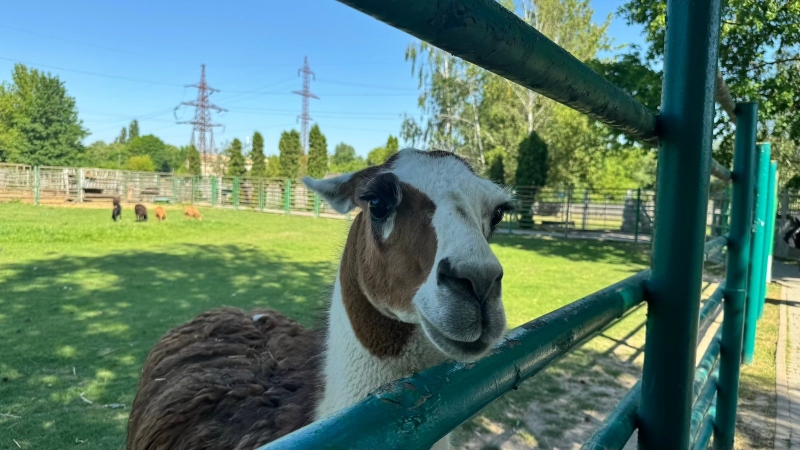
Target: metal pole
736, 275
773, 211
214, 183
769, 230
585, 209
686, 124
36, 184
288, 200
638, 212
757, 253
236, 192
80, 185
316, 204
726, 205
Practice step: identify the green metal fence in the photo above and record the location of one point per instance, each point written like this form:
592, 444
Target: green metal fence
676, 405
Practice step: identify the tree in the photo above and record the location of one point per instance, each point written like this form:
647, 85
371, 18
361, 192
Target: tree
531, 174
123, 137
133, 132
105, 156
290, 152
759, 57
236, 163
317, 153
497, 171
44, 120
161, 156
259, 167
141, 163
379, 155
343, 154
195, 166
274, 167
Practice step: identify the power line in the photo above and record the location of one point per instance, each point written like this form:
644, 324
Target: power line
91, 73
371, 86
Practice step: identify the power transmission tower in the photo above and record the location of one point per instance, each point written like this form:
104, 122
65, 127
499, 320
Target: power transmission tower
202, 124
304, 117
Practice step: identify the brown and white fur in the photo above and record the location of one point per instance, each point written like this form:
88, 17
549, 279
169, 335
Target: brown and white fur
418, 283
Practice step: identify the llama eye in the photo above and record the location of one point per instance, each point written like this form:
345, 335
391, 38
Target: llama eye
497, 216
378, 209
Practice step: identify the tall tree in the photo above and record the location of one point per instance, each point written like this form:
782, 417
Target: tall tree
343, 154
259, 167
140, 163
290, 152
317, 153
274, 166
236, 163
44, 120
195, 165
532, 167
133, 131
150, 145
123, 136
759, 57
497, 171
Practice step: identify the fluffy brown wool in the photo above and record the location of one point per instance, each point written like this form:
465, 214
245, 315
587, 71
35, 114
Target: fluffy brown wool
226, 382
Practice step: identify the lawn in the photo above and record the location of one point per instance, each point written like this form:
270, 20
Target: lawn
83, 299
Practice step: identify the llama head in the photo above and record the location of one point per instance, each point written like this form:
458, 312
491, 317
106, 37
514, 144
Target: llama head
423, 254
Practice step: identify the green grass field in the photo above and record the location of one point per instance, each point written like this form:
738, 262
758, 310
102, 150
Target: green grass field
83, 299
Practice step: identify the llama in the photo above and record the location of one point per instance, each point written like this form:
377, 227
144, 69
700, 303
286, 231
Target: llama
417, 284
191, 212
161, 214
141, 212
116, 212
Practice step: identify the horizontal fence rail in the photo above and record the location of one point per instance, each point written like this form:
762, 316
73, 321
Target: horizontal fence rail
416, 412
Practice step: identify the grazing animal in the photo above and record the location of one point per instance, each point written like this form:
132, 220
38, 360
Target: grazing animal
141, 212
116, 212
417, 284
161, 214
191, 211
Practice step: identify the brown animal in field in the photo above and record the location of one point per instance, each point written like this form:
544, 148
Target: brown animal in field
161, 214
141, 213
191, 211
417, 284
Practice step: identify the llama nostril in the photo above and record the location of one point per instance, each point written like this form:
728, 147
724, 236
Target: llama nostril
480, 282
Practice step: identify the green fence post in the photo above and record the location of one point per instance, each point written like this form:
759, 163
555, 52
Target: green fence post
585, 220
174, 189
726, 205
684, 167
261, 194
316, 204
757, 250
80, 185
774, 211
214, 191
638, 213
236, 192
288, 197
36, 184
769, 231
739, 241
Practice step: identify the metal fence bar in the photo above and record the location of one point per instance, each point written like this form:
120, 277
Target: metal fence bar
714, 246
707, 428
486, 34
736, 274
704, 400
719, 171
708, 363
430, 404
686, 131
772, 212
757, 259
769, 233
618, 427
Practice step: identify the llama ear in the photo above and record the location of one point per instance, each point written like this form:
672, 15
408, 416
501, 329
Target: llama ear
339, 192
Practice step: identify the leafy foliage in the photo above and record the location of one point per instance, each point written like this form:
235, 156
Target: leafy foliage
193, 160
105, 156
123, 136
165, 157
532, 163
290, 152
317, 153
273, 166
141, 163
259, 167
759, 57
379, 155
39, 122
236, 163
345, 160
133, 130
497, 171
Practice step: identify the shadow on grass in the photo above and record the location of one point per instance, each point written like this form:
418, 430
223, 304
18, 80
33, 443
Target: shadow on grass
577, 250
75, 326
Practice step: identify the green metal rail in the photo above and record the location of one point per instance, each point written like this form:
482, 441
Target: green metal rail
676, 405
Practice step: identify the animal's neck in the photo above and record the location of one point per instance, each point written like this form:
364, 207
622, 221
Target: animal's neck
364, 348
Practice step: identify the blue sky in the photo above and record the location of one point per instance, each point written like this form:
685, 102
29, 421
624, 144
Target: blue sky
126, 60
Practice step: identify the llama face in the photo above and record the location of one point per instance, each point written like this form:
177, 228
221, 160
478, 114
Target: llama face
423, 250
